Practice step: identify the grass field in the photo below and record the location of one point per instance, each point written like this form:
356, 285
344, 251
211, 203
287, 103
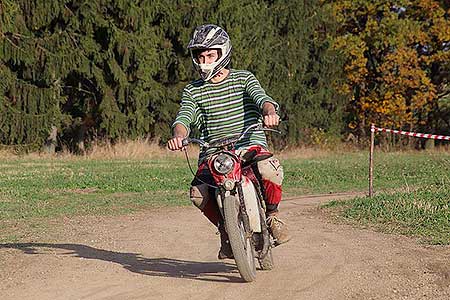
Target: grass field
33, 189
424, 213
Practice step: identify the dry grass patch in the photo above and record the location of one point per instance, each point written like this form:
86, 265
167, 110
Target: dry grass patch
303, 153
142, 149
136, 150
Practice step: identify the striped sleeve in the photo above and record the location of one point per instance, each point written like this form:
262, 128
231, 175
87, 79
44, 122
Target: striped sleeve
186, 114
257, 93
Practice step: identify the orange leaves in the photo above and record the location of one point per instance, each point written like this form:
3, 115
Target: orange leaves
404, 90
441, 29
402, 70
391, 53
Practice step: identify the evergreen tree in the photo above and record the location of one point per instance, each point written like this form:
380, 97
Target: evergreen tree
303, 69
29, 96
111, 69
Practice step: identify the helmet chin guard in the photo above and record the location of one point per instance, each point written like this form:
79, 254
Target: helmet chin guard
210, 37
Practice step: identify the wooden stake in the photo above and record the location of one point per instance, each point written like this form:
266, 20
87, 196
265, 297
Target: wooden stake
372, 141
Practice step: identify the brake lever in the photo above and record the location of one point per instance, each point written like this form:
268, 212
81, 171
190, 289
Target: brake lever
270, 129
185, 142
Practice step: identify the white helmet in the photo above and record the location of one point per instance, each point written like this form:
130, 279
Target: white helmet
210, 37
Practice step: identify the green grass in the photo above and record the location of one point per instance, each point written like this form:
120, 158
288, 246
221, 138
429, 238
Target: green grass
349, 172
32, 189
48, 188
424, 213
412, 192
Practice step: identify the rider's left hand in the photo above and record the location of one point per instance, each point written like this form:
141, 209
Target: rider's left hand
271, 120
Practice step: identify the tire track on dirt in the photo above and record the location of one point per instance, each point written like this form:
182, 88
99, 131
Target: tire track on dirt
170, 253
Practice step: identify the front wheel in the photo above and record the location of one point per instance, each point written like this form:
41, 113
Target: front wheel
241, 245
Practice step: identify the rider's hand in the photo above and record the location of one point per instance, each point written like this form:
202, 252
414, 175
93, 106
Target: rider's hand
270, 117
175, 143
271, 120
179, 133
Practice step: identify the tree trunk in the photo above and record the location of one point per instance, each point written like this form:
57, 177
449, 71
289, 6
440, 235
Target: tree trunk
50, 144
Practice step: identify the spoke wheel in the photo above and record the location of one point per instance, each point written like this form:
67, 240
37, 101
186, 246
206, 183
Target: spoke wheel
243, 250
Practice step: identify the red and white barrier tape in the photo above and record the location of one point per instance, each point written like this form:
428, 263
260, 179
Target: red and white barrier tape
414, 134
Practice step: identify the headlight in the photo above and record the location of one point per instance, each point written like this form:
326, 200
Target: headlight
223, 163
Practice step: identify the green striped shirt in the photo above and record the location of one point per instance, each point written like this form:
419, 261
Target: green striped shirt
220, 109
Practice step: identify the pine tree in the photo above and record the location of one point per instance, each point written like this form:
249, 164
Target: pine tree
305, 71
29, 98
112, 69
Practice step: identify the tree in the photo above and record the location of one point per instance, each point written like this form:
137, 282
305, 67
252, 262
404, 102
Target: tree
29, 99
397, 61
113, 69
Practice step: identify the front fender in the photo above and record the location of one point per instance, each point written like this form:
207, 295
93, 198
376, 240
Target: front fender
251, 204
250, 200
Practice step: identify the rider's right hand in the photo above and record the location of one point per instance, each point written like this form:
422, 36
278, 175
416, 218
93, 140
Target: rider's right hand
175, 143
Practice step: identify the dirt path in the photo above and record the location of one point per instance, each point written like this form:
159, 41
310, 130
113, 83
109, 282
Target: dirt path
171, 254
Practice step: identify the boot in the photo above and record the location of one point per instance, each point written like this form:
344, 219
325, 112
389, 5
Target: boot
225, 246
278, 229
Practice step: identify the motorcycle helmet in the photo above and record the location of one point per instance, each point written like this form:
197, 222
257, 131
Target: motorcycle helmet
210, 37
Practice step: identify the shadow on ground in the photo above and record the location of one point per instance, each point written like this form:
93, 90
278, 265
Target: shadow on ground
134, 262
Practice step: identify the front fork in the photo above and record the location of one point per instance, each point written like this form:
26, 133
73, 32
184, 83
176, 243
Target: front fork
238, 193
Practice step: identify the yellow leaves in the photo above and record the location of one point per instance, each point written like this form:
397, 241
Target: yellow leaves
403, 71
352, 125
344, 89
389, 57
441, 29
430, 8
417, 36
441, 57
353, 48
405, 89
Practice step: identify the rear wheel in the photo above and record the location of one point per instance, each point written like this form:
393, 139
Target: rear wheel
241, 245
266, 263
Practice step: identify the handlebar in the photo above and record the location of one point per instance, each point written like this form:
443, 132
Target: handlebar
255, 127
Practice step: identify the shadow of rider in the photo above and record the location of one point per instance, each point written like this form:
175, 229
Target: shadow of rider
134, 262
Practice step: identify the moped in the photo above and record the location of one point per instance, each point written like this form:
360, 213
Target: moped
240, 197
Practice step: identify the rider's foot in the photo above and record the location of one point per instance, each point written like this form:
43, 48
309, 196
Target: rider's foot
278, 229
225, 246
225, 251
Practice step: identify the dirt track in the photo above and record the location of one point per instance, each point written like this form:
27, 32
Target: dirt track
171, 254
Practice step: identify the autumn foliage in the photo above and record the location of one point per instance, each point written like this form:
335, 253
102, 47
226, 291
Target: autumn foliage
397, 62
75, 72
